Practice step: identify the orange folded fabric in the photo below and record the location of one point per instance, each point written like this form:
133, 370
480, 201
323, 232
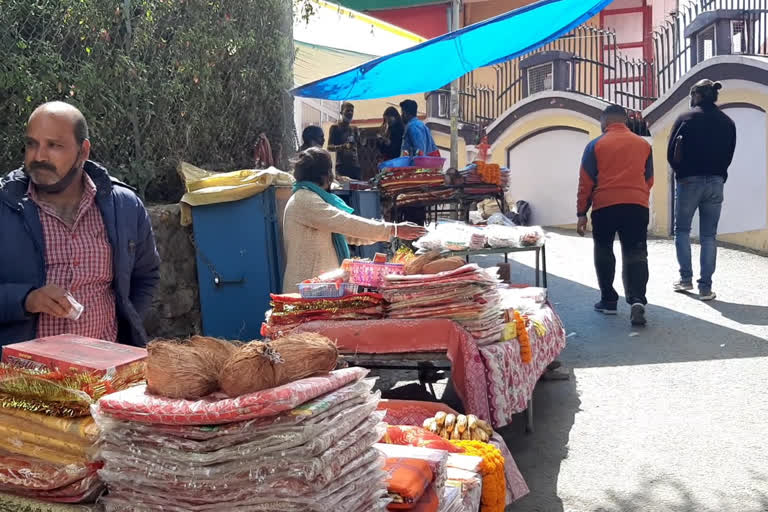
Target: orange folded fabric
406, 435
428, 502
407, 481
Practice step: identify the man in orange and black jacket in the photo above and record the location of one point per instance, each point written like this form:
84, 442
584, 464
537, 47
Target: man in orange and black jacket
615, 182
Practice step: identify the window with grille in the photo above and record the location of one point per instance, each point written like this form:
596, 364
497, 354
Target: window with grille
442, 106
540, 78
705, 44
739, 36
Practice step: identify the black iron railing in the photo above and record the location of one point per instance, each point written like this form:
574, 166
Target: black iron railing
597, 68
674, 52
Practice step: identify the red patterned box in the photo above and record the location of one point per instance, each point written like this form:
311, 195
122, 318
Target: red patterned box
69, 352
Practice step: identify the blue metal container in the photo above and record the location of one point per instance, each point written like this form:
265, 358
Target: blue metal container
238, 264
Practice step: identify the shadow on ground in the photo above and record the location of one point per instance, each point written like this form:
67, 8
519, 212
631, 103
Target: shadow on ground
741, 313
646, 500
597, 341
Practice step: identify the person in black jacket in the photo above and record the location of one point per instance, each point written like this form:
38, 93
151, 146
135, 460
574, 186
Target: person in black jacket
390, 136
700, 150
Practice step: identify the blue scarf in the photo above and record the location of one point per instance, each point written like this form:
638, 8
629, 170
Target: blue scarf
339, 240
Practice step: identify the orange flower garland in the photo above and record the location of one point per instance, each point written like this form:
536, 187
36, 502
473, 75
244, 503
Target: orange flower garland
492, 471
526, 355
489, 173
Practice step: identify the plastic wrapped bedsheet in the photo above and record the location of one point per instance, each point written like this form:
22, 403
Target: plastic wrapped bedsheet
26, 473
139, 465
279, 486
11, 503
308, 440
206, 438
437, 459
348, 493
135, 404
451, 500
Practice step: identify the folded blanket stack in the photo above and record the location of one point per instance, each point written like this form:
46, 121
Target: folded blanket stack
468, 295
306, 446
290, 310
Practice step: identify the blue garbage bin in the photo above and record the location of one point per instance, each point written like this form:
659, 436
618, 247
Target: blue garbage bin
238, 264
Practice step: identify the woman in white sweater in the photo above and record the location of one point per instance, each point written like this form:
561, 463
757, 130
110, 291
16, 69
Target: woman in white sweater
318, 225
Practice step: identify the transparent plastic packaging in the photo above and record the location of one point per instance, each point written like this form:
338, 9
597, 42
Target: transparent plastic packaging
135, 404
349, 491
501, 236
77, 309
310, 437
318, 456
305, 459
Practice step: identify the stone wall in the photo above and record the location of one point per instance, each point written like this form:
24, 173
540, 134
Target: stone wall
176, 307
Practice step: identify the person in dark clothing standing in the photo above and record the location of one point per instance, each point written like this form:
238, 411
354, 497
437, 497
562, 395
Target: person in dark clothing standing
344, 140
312, 137
700, 150
615, 181
390, 137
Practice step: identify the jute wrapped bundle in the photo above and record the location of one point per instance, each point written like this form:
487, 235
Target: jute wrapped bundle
257, 365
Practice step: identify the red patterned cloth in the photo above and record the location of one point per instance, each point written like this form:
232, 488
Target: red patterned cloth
510, 382
135, 404
79, 259
409, 412
410, 435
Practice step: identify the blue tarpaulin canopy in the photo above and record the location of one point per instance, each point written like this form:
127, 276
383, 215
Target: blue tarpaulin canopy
435, 63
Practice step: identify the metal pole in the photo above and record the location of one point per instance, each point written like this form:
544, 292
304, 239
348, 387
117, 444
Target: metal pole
455, 8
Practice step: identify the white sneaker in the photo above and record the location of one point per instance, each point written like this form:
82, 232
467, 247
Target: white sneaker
682, 286
707, 296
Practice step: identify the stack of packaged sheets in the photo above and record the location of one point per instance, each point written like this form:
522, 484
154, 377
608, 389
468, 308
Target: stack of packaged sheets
468, 295
305, 446
47, 434
417, 480
291, 310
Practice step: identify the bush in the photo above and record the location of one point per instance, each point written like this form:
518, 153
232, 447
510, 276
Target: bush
158, 80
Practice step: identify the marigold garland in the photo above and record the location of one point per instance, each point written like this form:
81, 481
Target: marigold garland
489, 173
526, 355
492, 470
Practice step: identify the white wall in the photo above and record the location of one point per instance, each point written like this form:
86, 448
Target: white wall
545, 172
744, 208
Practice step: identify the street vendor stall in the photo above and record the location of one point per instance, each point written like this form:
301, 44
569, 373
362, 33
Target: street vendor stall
432, 314
492, 381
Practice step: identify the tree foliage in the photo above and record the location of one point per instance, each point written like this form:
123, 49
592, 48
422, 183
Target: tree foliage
158, 80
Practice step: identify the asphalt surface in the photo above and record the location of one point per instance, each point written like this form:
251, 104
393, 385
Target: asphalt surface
671, 417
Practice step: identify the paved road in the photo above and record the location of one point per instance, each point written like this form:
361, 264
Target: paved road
671, 418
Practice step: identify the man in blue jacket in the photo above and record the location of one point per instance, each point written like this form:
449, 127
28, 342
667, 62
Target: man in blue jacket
71, 235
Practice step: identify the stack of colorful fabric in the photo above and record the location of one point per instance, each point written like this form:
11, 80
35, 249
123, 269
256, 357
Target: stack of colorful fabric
47, 435
411, 185
291, 310
467, 295
482, 179
305, 446
416, 480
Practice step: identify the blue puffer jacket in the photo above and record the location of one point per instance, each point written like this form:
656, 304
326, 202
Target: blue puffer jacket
22, 266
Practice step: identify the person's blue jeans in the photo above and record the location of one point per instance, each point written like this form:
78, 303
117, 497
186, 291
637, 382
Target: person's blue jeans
703, 193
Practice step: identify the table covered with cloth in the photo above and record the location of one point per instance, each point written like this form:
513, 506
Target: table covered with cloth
492, 381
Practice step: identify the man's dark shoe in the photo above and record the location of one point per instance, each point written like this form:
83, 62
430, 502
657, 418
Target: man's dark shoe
606, 308
637, 316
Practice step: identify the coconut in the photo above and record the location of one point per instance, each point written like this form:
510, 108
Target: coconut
259, 365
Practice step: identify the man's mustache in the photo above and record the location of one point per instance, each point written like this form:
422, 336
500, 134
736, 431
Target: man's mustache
41, 166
